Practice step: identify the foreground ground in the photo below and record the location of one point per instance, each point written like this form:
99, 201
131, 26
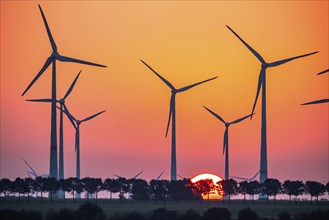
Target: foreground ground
112, 207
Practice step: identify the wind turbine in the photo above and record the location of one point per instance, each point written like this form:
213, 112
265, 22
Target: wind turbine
32, 173
172, 114
134, 177
76, 124
61, 133
262, 85
246, 179
225, 143
52, 60
321, 100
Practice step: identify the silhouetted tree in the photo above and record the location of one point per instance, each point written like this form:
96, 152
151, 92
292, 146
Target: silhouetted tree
315, 189
206, 187
123, 187
39, 185
295, 188
51, 185
271, 187
66, 186
108, 185
159, 190
76, 186
253, 188
182, 190
243, 189
230, 187
217, 214
140, 190
247, 214
19, 186
29, 184
92, 185
5, 186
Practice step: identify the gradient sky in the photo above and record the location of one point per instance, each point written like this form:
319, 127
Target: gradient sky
186, 42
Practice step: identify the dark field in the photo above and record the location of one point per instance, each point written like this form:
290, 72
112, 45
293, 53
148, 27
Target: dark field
112, 207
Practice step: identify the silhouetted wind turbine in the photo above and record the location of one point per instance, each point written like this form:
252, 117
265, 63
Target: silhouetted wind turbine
52, 60
225, 143
61, 133
134, 177
172, 114
321, 100
32, 172
246, 179
262, 85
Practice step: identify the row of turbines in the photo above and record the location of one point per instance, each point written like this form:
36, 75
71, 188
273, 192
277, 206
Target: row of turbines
57, 170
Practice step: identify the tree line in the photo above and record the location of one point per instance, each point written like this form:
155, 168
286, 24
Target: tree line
159, 190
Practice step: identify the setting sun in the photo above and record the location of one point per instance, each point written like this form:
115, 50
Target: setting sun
216, 194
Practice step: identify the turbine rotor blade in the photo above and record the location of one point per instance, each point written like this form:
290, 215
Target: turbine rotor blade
316, 102
159, 175
72, 86
241, 119
39, 100
195, 84
277, 63
259, 57
51, 39
213, 113
324, 71
163, 79
137, 175
34, 173
172, 100
93, 116
45, 66
260, 84
73, 60
117, 176
254, 176
69, 116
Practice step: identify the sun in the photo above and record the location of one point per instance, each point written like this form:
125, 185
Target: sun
214, 194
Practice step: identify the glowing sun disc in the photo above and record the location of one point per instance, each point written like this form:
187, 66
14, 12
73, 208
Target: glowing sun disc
215, 194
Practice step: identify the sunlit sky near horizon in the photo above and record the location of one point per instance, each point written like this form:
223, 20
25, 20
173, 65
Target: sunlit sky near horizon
186, 42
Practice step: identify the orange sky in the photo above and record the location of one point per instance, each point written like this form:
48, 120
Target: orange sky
186, 42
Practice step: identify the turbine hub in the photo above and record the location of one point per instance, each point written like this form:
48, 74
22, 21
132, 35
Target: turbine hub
227, 124
265, 65
55, 54
78, 122
173, 91
62, 101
